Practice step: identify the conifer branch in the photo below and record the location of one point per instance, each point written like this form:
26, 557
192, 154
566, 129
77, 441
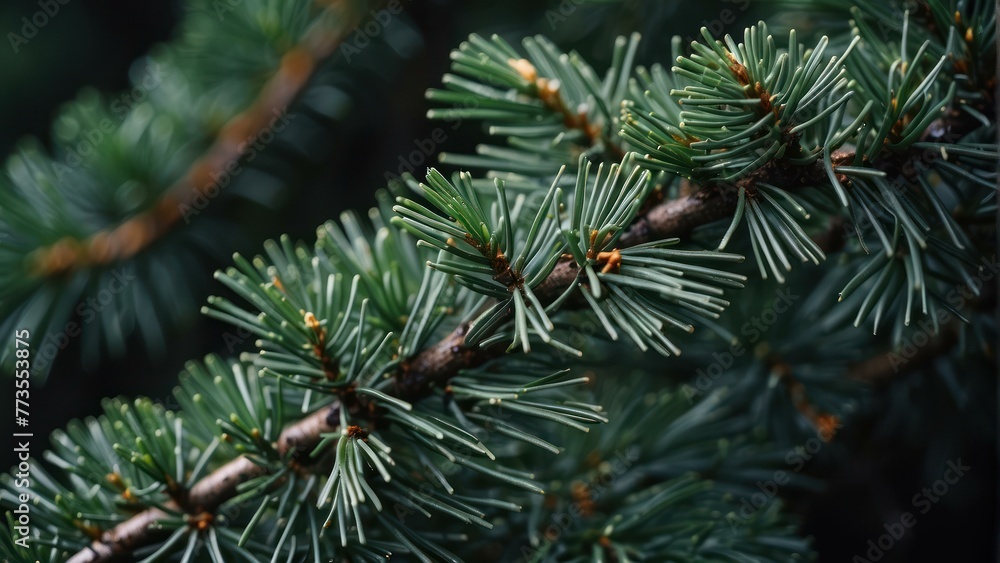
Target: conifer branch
439, 362
667, 219
678, 217
315, 307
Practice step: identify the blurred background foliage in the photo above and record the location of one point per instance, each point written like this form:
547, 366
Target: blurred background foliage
871, 472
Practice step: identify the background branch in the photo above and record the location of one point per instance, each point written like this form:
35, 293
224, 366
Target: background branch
137, 233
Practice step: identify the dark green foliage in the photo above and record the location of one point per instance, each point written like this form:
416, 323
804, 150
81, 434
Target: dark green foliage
410, 339
72, 221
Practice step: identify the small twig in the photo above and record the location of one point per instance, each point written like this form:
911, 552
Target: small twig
573, 118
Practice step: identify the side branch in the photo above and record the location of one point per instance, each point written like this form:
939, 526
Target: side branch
667, 219
678, 217
209, 493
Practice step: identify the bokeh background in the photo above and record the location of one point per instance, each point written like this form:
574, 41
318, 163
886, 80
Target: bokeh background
93, 43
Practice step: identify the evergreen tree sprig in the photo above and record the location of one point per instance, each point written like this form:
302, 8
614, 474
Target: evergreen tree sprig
396, 397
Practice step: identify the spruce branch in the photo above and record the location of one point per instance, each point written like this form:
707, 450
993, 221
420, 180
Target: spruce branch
710, 203
415, 379
305, 303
